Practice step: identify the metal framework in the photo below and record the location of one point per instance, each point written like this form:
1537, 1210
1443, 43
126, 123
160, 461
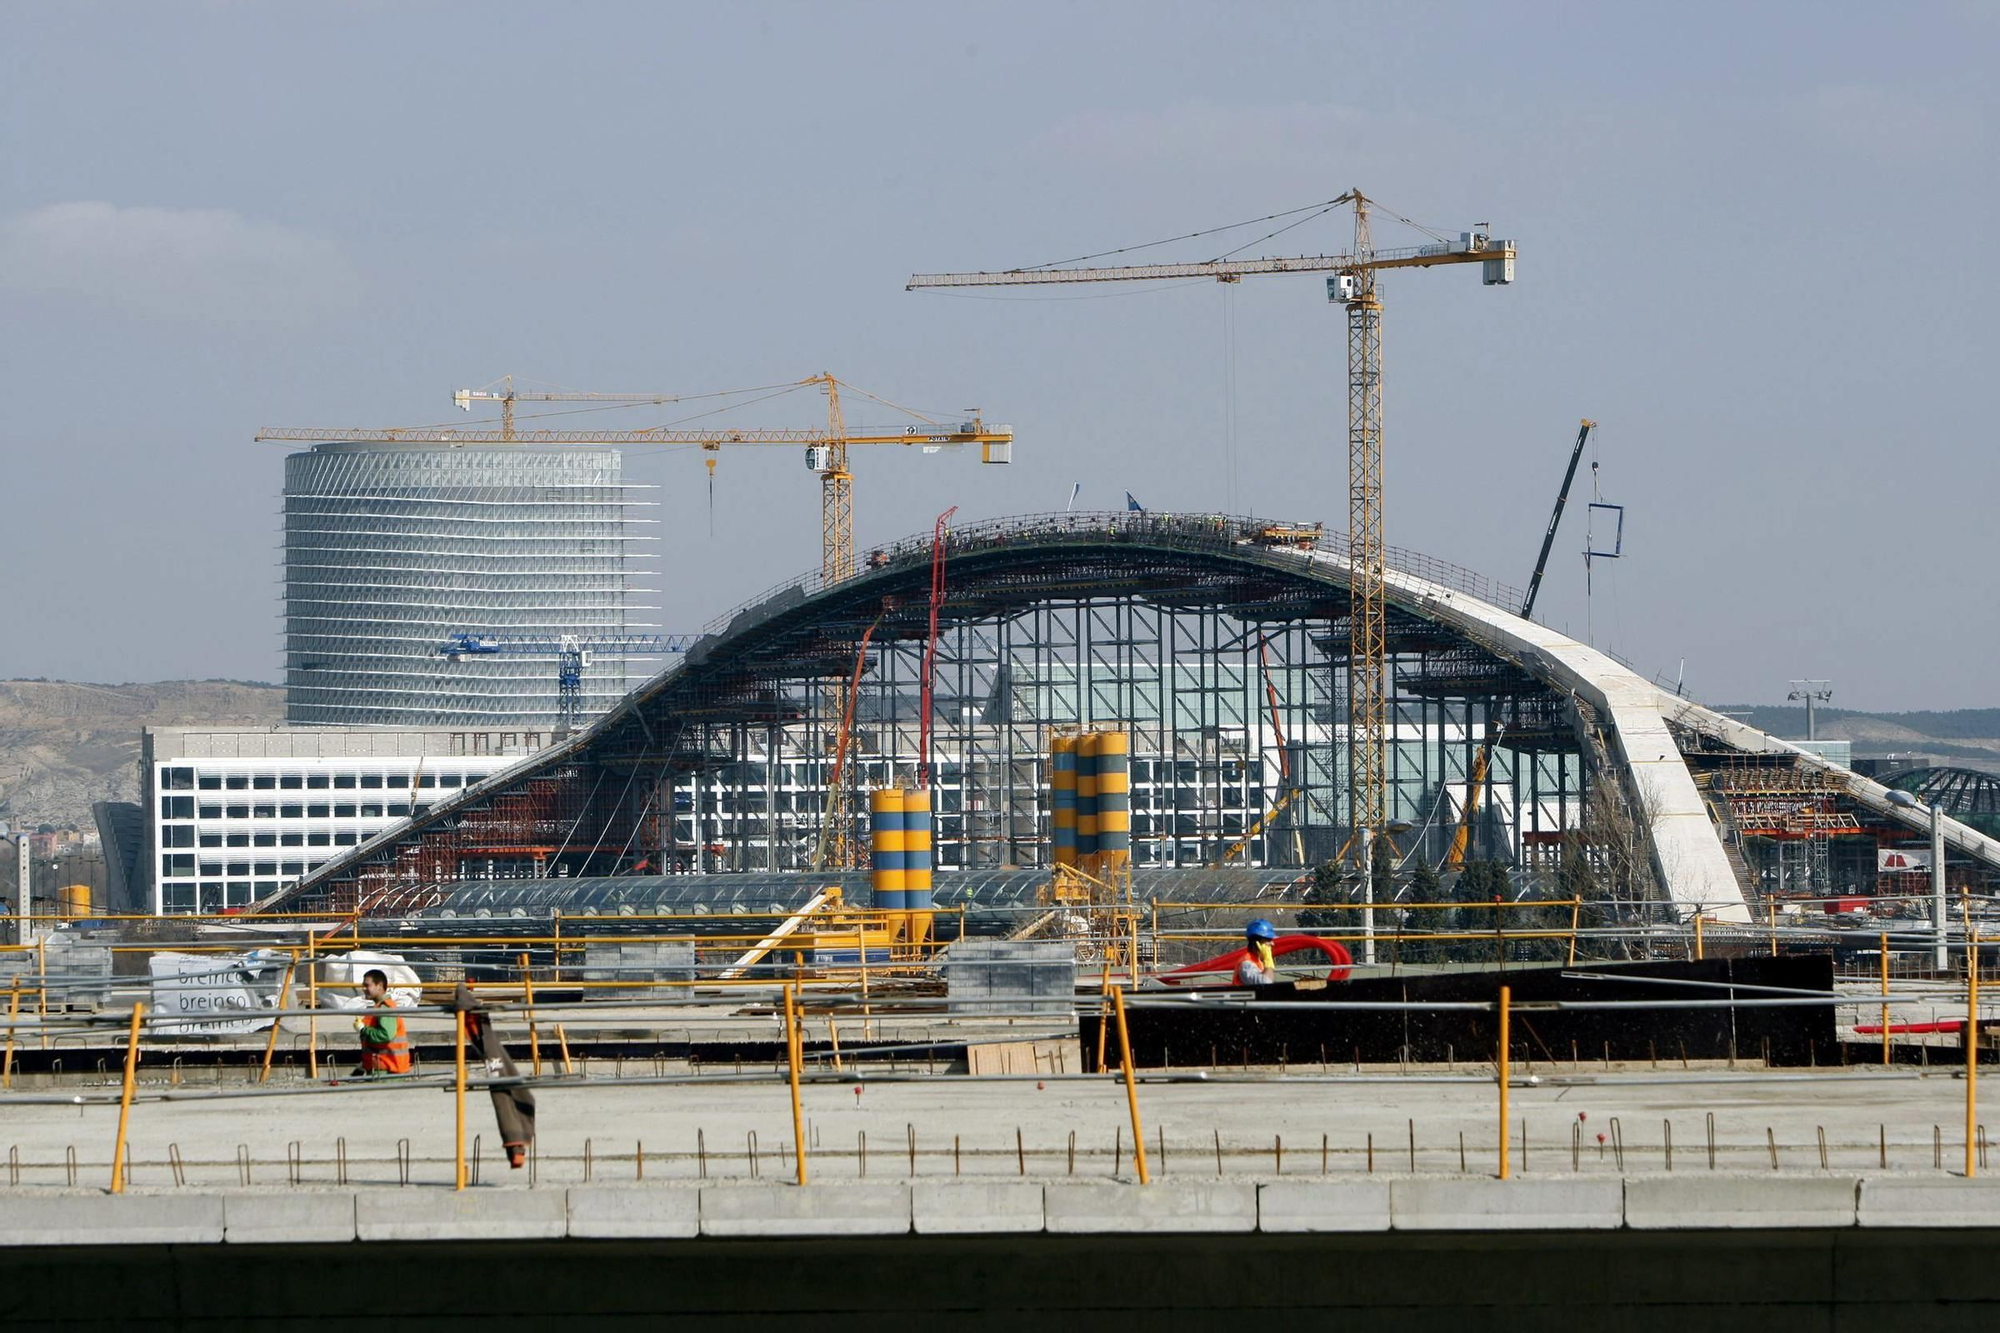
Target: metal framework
1163, 625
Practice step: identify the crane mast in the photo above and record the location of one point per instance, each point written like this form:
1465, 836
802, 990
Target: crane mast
1367, 647
1352, 284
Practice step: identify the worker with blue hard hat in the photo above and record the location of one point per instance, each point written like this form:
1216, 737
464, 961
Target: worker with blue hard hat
1259, 967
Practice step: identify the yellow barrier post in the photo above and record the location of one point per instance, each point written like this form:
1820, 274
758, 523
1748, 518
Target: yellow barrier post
312, 1003
13, 1014
1103, 1013
1698, 919
1971, 1052
277, 1019
458, 1155
1131, 1087
1885, 997
534, 1037
1575, 918
1506, 1001
793, 1055
125, 1101
562, 1045
42, 989
1774, 929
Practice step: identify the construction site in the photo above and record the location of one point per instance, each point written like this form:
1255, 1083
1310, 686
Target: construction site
1139, 874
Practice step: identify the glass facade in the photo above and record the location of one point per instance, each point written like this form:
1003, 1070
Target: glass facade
392, 549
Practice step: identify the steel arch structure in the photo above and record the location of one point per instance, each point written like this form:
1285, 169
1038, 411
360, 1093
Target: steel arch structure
1175, 626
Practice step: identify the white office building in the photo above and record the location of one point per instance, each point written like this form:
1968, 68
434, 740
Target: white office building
233, 816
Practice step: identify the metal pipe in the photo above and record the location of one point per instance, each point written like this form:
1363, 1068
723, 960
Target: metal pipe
1502, 1063
458, 1151
1971, 1050
1131, 1087
792, 1067
125, 1102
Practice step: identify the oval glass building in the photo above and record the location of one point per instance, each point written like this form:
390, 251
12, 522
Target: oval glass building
392, 550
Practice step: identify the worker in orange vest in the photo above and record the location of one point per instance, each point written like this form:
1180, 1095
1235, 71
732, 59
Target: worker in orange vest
385, 1045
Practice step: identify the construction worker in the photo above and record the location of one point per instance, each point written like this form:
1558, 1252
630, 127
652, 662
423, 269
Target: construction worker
385, 1046
1259, 967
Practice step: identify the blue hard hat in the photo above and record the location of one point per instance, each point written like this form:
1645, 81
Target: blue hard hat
1260, 929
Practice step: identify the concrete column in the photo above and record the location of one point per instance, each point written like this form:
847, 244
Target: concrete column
1939, 919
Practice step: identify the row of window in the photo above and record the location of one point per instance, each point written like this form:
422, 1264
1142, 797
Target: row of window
184, 807
185, 779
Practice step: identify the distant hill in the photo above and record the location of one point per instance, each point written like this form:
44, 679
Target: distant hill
1967, 737
65, 744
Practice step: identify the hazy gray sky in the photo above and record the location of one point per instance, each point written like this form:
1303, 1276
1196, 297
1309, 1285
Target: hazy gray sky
1753, 246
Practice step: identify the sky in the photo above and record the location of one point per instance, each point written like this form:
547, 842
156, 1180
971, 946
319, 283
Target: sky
1751, 247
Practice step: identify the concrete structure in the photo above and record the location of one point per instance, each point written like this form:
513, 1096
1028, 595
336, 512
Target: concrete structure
231, 816
392, 548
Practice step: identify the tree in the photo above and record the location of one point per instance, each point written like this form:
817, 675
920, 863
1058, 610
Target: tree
1325, 888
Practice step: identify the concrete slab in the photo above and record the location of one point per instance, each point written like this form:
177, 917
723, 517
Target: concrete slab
104, 1219
1664, 1203
287, 1219
963, 1208
1896, 1201
818, 1210
476, 1214
1164, 1206
602, 1212
1334, 1205
1476, 1203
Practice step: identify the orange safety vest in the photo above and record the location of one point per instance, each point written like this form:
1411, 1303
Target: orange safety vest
386, 1057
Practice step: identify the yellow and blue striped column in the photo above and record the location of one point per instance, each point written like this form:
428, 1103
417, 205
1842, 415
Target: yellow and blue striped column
1114, 803
1062, 798
917, 863
888, 849
1086, 802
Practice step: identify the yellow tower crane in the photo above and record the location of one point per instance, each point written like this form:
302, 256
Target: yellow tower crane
826, 450
1352, 284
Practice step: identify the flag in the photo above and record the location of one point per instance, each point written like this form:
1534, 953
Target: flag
1073, 492
1133, 506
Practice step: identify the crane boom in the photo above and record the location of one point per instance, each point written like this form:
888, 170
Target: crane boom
1352, 285
1473, 249
1555, 520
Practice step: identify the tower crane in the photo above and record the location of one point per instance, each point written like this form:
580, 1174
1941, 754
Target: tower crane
507, 395
572, 653
826, 450
1351, 284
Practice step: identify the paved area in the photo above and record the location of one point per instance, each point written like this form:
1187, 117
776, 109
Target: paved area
717, 1128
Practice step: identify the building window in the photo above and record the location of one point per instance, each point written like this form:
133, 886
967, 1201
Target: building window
371, 812
293, 868
177, 807
291, 781
211, 898
343, 812
344, 839
238, 782
291, 812
265, 782
449, 780
265, 811
399, 779
239, 812
211, 839
177, 835
292, 840
318, 811
427, 780
177, 867
177, 779
318, 839
265, 840
398, 811
239, 867
211, 869
267, 867
371, 779
178, 898
210, 782
238, 840
343, 779
318, 781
